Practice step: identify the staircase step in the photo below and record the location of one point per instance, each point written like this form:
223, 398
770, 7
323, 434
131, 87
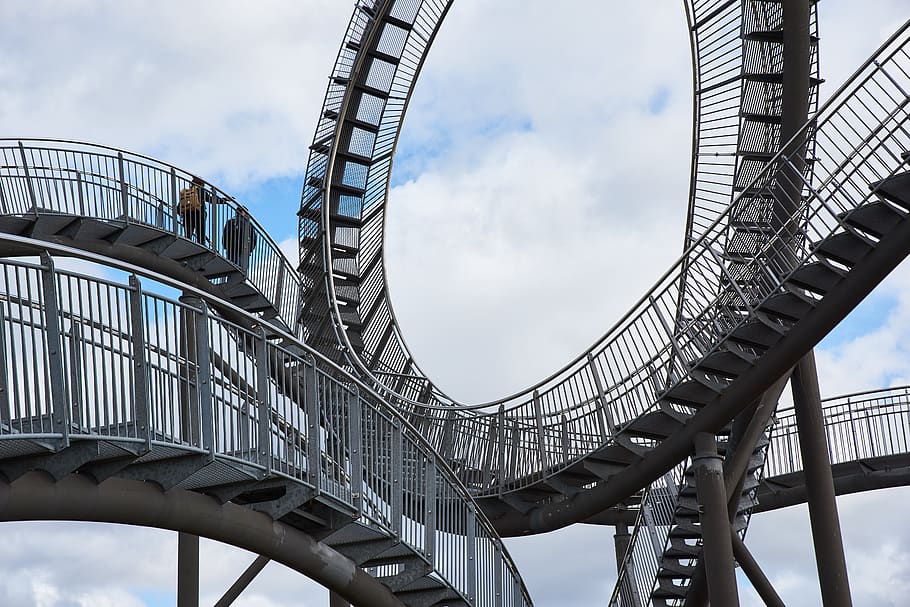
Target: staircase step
729, 362
696, 391
895, 189
877, 218
788, 305
756, 332
816, 277
655, 425
844, 248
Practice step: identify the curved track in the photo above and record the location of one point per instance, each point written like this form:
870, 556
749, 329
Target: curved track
720, 326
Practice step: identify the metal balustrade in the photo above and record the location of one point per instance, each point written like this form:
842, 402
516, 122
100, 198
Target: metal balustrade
860, 426
88, 359
40, 177
862, 133
517, 441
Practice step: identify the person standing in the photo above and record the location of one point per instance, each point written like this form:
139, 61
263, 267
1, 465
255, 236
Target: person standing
191, 208
239, 238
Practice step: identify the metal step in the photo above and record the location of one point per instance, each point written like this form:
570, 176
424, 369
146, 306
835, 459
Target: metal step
876, 218
817, 277
844, 248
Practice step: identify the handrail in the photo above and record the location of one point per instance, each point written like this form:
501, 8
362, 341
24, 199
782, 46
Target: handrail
90, 180
129, 319
625, 357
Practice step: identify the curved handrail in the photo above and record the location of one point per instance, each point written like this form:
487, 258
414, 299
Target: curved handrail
101, 182
120, 348
645, 352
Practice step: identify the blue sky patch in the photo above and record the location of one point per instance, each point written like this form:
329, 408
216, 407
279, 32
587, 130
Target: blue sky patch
659, 100
868, 316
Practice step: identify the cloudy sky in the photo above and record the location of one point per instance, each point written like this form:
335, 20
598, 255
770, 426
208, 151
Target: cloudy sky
540, 188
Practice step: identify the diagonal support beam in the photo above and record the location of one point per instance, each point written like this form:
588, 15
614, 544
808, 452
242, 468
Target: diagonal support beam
243, 581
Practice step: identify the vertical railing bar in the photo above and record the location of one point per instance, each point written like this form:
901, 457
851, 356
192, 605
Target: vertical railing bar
28, 180
174, 200
313, 424
471, 550
141, 400
76, 395
541, 439
355, 417
430, 510
204, 379
5, 412
605, 416
124, 192
397, 487
59, 406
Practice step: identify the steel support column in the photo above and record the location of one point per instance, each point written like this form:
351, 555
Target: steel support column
187, 570
823, 518
715, 524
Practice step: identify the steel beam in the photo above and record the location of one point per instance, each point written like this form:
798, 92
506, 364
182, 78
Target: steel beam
823, 518
35, 497
715, 524
187, 570
753, 571
248, 575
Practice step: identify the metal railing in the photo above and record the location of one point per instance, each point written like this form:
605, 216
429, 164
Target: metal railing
42, 176
82, 358
862, 133
859, 426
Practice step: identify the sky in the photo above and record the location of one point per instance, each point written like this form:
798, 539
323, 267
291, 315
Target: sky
540, 188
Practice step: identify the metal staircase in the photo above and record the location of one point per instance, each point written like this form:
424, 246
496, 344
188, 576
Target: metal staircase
106, 379
124, 205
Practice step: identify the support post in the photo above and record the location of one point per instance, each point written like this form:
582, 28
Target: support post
823, 518
59, 409
313, 426
264, 410
715, 524
188, 395
187, 570
629, 591
355, 420
471, 551
142, 412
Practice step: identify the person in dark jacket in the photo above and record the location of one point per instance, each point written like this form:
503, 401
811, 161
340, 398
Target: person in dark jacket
239, 238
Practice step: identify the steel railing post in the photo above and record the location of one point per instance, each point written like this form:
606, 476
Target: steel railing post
471, 552
75, 361
264, 413
497, 576
141, 399
430, 510
204, 380
124, 190
5, 411
541, 438
605, 422
355, 422
501, 442
59, 407
313, 427
80, 195
397, 496
174, 200
28, 180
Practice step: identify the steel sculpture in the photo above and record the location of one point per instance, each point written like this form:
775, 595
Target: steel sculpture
226, 394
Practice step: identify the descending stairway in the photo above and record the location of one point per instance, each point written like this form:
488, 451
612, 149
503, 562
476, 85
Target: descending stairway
124, 205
